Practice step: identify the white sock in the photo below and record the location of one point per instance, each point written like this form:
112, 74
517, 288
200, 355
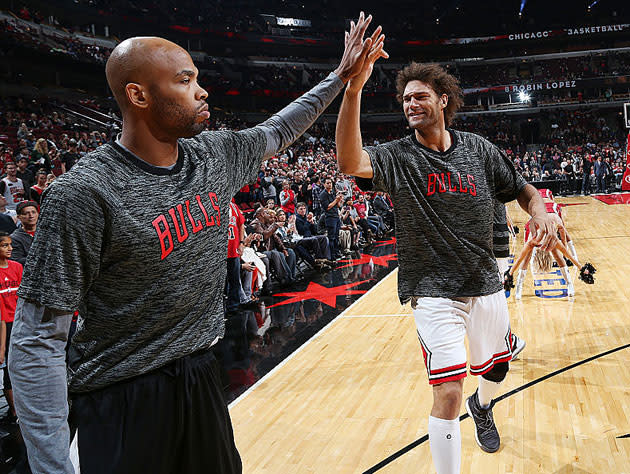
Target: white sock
445, 440
521, 276
486, 391
572, 249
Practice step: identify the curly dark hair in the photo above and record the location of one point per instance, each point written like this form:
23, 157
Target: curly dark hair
440, 81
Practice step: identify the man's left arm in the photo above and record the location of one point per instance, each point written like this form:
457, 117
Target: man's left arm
509, 185
546, 224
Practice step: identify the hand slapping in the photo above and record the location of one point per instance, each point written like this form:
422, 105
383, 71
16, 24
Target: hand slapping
360, 54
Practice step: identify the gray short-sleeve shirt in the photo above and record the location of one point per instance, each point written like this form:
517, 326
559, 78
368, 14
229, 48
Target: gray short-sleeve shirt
140, 252
443, 205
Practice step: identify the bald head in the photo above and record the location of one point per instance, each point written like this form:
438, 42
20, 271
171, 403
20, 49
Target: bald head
141, 60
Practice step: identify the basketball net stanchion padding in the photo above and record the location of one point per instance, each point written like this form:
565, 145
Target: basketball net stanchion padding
625, 182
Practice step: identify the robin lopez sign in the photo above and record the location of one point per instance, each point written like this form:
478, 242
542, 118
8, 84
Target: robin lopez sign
542, 86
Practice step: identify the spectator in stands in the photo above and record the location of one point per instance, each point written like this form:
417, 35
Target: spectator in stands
22, 237
32, 121
23, 154
282, 259
40, 157
287, 198
349, 224
7, 212
344, 186
568, 175
10, 279
383, 208
236, 235
360, 220
599, 169
330, 207
70, 156
38, 188
313, 250
23, 131
587, 165
316, 191
307, 228
25, 175
11, 187
609, 175
302, 187
268, 189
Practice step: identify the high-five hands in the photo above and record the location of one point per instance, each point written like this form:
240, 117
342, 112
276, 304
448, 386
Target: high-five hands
360, 55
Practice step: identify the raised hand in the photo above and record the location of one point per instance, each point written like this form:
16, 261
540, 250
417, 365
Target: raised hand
356, 49
377, 41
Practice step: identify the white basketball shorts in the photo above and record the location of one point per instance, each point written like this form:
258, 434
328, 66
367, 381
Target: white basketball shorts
442, 324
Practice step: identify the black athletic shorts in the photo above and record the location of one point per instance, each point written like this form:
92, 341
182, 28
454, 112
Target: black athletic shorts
6, 380
173, 420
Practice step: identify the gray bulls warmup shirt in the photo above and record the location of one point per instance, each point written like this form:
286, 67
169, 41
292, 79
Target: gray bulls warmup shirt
140, 252
443, 204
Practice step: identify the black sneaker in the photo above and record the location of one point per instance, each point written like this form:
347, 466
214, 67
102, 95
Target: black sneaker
486, 432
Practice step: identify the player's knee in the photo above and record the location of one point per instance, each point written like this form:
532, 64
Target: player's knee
448, 396
497, 373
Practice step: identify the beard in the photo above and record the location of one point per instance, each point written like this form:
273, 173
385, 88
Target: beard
176, 120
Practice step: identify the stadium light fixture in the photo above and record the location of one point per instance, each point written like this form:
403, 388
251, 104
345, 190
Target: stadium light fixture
524, 96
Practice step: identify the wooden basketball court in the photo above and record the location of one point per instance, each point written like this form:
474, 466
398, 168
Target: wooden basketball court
355, 398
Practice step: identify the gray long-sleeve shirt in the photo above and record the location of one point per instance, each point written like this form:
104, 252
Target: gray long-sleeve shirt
133, 265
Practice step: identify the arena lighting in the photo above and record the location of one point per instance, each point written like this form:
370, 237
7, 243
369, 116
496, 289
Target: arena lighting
523, 2
524, 96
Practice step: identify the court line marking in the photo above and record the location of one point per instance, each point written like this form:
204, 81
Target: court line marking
315, 336
425, 438
348, 316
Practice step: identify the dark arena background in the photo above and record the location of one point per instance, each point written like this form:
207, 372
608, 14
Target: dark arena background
321, 365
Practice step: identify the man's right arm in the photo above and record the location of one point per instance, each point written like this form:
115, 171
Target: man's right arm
37, 365
351, 156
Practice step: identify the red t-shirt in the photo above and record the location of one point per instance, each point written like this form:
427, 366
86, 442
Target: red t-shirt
234, 230
289, 207
10, 279
360, 208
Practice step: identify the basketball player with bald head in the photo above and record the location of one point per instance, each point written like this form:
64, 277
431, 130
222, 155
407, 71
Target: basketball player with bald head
134, 237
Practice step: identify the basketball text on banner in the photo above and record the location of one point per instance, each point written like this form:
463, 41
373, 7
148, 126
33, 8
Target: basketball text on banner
625, 184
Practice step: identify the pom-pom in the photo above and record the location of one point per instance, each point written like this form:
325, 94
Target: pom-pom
568, 262
508, 281
586, 273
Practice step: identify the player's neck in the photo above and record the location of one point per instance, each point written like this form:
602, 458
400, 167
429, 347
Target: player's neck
4, 263
435, 138
139, 140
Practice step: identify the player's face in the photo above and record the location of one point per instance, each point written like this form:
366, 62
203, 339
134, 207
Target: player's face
178, 102
423, 108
